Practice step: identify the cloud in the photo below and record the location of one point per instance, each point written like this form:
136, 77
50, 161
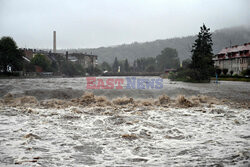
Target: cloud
94, 23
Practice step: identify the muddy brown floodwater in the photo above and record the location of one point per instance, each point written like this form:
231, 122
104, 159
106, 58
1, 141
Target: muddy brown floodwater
56, 122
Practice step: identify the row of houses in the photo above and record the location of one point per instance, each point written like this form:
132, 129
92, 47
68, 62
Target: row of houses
235, 59
86, 60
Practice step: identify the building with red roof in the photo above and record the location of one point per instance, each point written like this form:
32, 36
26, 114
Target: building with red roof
235, 59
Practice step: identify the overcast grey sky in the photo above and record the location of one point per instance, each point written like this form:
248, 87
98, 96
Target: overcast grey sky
95, 23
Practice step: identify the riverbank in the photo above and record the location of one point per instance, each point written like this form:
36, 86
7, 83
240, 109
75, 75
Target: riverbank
232, 79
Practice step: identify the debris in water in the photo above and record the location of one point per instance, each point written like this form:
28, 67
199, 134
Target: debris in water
20, 162
236, 122
36, 158
138, 160
129, 136
29, 110
30, 135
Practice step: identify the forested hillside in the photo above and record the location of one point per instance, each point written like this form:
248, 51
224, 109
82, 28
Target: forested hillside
221, 38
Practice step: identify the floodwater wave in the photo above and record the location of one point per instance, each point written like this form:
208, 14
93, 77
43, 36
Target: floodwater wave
88, 99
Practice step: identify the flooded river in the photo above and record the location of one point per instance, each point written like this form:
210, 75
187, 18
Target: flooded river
47, 122
74, 87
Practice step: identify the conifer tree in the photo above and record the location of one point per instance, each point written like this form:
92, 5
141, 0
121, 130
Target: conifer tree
126, 66
202, 63
115, 65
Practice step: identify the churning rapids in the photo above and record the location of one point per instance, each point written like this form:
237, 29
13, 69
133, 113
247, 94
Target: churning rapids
57, 122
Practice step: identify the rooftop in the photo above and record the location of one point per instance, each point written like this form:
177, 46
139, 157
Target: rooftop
235, 48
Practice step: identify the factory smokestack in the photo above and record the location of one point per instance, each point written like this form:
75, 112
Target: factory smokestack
54, 41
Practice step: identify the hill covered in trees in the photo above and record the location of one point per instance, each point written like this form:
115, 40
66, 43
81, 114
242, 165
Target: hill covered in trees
221, 38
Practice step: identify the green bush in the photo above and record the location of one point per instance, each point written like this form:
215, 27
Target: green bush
72, 69
41, 61
225, 71
246, 72
93, 71
188, 75
236, 76
218, 71
29, 67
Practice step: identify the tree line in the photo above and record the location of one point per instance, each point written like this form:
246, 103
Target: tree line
168, 59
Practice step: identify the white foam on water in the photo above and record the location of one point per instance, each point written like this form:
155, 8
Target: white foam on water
197, 136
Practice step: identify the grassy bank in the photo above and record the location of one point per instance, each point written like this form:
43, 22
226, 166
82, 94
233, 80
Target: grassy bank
232, 79
185, 79
132, 74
